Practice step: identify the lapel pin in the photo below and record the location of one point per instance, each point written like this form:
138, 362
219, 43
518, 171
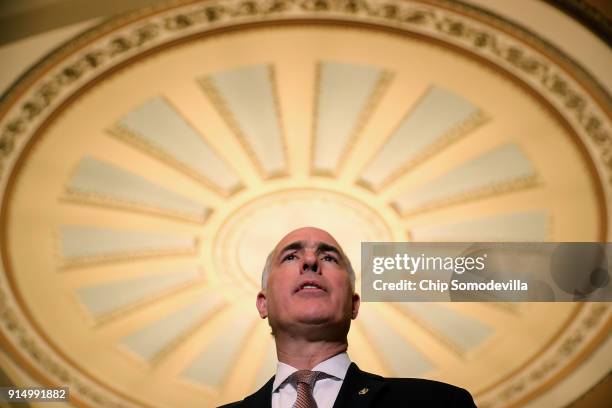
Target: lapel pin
363, 391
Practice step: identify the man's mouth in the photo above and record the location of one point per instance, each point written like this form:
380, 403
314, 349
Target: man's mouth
309, 286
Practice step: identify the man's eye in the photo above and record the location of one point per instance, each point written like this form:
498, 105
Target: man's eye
289, 257
330, 258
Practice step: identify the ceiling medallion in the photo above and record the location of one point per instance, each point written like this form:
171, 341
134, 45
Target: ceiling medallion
250, 233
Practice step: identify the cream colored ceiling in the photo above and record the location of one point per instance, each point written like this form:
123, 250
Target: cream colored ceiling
149, 167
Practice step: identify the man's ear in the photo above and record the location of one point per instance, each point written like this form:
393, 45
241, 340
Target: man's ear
356, 303
261, 305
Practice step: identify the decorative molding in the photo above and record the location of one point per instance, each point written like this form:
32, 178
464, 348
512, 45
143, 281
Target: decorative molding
15, 329
441, 23
136, 245
590, 14
596, 318
520, 184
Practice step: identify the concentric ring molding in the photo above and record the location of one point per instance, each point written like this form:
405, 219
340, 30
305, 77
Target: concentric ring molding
577, 114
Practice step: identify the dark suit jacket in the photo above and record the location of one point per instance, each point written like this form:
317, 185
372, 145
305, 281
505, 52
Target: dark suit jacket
361, 390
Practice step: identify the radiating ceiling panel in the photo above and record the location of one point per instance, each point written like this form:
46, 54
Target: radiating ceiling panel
528, 227
345, 92
85, 242
455, 328
158, 127
99, 180
110, 297
437, 117
246, 98
215, 362
493, 170
398, 354
268, 366
151, 340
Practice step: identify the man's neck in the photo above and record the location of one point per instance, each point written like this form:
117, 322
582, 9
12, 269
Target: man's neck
303, 354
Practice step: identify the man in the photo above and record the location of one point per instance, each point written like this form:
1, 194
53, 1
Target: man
308, 296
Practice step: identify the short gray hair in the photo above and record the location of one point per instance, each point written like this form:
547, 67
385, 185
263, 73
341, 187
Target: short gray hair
268, 267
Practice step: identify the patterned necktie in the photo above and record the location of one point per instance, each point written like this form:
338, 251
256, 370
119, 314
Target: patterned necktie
305, 380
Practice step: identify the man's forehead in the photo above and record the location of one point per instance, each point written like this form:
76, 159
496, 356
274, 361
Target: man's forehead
308, 237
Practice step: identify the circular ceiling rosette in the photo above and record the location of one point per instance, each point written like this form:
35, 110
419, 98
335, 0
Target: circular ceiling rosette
150, 165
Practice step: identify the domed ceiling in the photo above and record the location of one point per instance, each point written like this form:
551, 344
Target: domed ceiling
149, 166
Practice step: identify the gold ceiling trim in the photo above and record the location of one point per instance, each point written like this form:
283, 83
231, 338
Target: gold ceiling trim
159, 357
131, 256
49, 368
517, 392
100, 200
574, 316
523, 183
106, 318
519, 61
43, 93
388, 12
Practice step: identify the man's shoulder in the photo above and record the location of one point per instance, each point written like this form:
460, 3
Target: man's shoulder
416, 391
428, 391
260, 398
231, 405
423, 384
241, 403
384, 392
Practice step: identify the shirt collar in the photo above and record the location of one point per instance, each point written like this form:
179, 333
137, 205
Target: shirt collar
336, 366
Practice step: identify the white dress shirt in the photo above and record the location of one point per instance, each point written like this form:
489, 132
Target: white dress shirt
325, 389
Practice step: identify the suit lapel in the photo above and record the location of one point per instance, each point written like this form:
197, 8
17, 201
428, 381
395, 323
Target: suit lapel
359, 388
261, 399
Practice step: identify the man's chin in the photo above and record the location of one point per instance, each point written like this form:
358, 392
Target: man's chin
323, 328
316, 316
312, 328
315, 320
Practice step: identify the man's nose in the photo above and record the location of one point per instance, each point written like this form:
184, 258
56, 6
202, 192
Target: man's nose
310, 263
310, 266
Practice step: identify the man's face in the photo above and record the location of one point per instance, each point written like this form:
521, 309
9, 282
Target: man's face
308, 285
